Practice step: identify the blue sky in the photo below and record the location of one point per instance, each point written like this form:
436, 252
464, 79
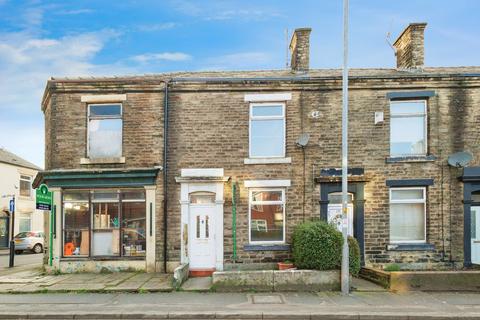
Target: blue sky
39, 39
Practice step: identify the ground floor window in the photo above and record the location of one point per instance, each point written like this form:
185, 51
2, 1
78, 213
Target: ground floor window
407, 215
267, 215
24, 224
105, 223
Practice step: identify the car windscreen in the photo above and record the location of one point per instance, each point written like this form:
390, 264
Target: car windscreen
24, 235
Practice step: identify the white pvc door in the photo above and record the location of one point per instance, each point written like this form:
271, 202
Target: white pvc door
202, 237
335, 216
475, 232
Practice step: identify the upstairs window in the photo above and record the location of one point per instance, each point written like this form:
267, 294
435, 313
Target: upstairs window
408, 128
267, 130
104, 131
25, 186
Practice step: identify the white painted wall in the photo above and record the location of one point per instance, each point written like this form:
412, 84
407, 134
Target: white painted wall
25, 206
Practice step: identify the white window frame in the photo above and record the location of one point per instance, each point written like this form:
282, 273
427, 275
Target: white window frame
254, 118
409, 201
89, 117
408, 115
20, 185
252, 203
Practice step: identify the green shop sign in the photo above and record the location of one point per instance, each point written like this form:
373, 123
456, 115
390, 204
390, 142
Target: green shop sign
44, 198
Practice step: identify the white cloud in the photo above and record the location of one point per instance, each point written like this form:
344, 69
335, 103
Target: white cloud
156, 26
165, 56
74, 11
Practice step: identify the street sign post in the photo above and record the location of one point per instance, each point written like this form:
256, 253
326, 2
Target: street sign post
44, 201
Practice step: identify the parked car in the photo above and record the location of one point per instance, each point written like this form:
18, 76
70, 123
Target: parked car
30, 240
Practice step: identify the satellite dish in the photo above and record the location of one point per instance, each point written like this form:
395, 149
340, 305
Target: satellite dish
460, 159
302, 141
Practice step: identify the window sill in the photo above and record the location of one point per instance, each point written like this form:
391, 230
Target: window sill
410, 247
266, 160
102, 258
102, 160
266, 247
429, 158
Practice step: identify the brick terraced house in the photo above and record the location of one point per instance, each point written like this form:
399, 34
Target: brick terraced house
143, 167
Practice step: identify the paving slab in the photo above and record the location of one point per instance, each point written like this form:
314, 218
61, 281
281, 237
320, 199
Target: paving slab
200, 284
86, 286
162, 283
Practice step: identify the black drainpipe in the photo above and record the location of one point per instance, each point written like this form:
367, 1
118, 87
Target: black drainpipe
165, 144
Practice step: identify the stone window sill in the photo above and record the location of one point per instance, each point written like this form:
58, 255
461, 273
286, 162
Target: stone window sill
410, 247
102, 160
429, 158
266, 160
266, 247
102, 258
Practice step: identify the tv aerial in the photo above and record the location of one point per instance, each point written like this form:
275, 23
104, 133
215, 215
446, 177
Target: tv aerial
460, 159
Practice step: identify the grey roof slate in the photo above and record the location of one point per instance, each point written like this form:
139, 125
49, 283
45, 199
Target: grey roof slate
11, 158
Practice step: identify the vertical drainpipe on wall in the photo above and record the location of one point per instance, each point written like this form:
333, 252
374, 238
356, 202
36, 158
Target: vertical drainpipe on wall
234, 220
165, 144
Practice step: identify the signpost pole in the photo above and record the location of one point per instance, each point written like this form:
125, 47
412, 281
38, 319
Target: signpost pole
11, 261
50, 244
44, 201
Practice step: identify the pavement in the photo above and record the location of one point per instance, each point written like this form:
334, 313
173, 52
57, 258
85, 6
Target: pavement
23, 259
194, 305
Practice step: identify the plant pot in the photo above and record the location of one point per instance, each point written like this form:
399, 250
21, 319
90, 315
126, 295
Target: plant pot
285, 265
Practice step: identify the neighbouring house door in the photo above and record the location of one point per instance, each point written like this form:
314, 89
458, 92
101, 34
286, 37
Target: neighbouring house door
475, 231
201, 237
4, 232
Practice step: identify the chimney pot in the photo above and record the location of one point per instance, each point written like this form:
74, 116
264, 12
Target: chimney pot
409, 47
300, 50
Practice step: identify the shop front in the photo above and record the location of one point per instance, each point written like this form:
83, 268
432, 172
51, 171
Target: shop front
103, 220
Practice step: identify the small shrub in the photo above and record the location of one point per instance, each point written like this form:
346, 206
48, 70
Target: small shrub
354, 256
392, 267
317, 245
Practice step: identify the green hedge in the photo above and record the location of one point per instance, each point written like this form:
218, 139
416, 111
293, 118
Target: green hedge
318, 245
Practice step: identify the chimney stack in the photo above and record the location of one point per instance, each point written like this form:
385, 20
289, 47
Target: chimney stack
409, 47
300, 50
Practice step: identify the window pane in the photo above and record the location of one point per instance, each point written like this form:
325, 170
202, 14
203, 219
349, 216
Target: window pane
76, 215
336, 197
398, 108
407, 194
133, 195
76, 196
274, 110
76, 243
202, 198
24, 225
25, 187
105, 138
76, 236
134, 229
266, 195
106, 232
266, 222
267, 138
105, 195
407, 136
105, 110
407, 222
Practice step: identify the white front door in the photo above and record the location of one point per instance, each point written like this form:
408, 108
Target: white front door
475, 232
335, 216
202, 237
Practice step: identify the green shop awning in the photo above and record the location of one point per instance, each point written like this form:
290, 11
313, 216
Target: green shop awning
97, 178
